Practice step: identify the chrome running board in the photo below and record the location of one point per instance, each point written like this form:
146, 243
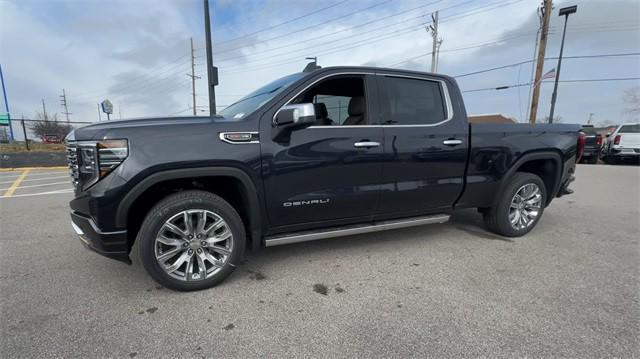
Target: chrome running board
360, 229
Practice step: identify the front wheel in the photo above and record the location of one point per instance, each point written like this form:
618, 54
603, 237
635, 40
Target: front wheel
519, 207
191, 240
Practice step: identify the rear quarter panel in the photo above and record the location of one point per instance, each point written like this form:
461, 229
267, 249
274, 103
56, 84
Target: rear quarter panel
498, 149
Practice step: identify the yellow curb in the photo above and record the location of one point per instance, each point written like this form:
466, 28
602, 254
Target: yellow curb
16, 183
33, 168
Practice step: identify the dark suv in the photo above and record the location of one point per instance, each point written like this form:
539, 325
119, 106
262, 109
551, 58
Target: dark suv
318, 154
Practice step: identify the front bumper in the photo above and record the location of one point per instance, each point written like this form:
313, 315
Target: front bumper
109, 244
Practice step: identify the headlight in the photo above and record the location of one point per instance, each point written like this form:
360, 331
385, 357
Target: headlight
98, 158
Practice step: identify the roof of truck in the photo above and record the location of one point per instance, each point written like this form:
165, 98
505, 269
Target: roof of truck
378, 69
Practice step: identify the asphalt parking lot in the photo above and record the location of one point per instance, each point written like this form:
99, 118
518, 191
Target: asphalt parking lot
568, 289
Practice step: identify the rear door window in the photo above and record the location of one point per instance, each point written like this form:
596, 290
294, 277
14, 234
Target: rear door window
630, 128
414, 101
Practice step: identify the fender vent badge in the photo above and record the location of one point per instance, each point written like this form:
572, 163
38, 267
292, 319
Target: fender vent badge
239, 137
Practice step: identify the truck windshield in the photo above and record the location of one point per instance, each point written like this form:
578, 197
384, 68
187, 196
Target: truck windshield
259, 97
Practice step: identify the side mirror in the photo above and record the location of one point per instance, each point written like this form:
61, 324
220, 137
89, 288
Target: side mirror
295, 117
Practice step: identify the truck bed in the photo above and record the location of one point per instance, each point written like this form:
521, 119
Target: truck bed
494, 150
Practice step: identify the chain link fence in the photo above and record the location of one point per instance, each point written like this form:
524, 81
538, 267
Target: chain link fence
30, 134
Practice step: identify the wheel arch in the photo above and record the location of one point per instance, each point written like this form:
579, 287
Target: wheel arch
545, 164
231, 181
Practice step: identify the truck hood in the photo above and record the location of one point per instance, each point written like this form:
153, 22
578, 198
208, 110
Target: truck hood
100, 130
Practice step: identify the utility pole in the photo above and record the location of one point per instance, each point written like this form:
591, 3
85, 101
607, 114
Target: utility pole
6, 104
212, 72
436, 42
63, 102
44, 111
563, 12
99, 114
546, 16
193, 76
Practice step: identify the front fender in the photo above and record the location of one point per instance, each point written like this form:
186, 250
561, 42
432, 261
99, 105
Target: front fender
249, 187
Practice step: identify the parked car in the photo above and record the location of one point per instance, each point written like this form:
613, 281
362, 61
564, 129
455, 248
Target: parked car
49, 139
592, 146
318, 154
623, 144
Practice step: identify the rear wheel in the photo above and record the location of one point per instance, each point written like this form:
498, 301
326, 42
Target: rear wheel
191, 240
592, 160
519, 207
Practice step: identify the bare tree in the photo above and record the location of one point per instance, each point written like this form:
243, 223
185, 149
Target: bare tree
631, 98
606, 123
48, 125
4, 135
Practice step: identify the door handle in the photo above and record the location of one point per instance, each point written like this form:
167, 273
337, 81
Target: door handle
366, 144
452, 142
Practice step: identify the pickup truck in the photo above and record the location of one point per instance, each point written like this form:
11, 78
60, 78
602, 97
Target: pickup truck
592, 145
623, 144
323, 153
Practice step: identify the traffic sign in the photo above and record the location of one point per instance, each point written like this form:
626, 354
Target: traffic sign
4, 119
107, 107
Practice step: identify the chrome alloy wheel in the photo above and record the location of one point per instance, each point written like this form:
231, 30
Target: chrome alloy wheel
193, 245
525, 206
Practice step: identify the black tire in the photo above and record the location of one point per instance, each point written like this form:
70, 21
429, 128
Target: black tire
593, 160
172, 205
497, 218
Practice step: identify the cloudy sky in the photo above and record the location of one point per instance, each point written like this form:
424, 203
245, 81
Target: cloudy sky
136, 53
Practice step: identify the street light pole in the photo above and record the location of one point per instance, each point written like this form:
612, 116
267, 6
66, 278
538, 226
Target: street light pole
566, 11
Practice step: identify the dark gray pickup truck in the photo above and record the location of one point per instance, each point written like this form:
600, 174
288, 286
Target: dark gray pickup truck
317, 154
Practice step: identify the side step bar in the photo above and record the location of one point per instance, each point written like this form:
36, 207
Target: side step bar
348, 231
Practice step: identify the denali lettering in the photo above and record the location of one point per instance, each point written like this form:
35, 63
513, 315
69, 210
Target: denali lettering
304, 203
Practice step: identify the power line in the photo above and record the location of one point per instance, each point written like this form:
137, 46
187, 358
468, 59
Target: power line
334, 50
282, 23
548, 58
315, 51
385, 27
306, 41
466, 47
135, 86
312, 26
150, 82
243, 68
567, 81
145, 75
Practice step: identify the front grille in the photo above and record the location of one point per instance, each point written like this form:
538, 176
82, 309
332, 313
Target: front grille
72, 159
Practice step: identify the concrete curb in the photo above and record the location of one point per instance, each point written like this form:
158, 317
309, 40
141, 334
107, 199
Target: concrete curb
33, 159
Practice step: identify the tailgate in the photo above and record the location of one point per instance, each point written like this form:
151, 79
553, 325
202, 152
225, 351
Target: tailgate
590, 141
630, 140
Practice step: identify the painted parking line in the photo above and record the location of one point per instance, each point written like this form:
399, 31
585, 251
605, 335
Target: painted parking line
36, 179
15, 184
53, 168
32, 176
62, 191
